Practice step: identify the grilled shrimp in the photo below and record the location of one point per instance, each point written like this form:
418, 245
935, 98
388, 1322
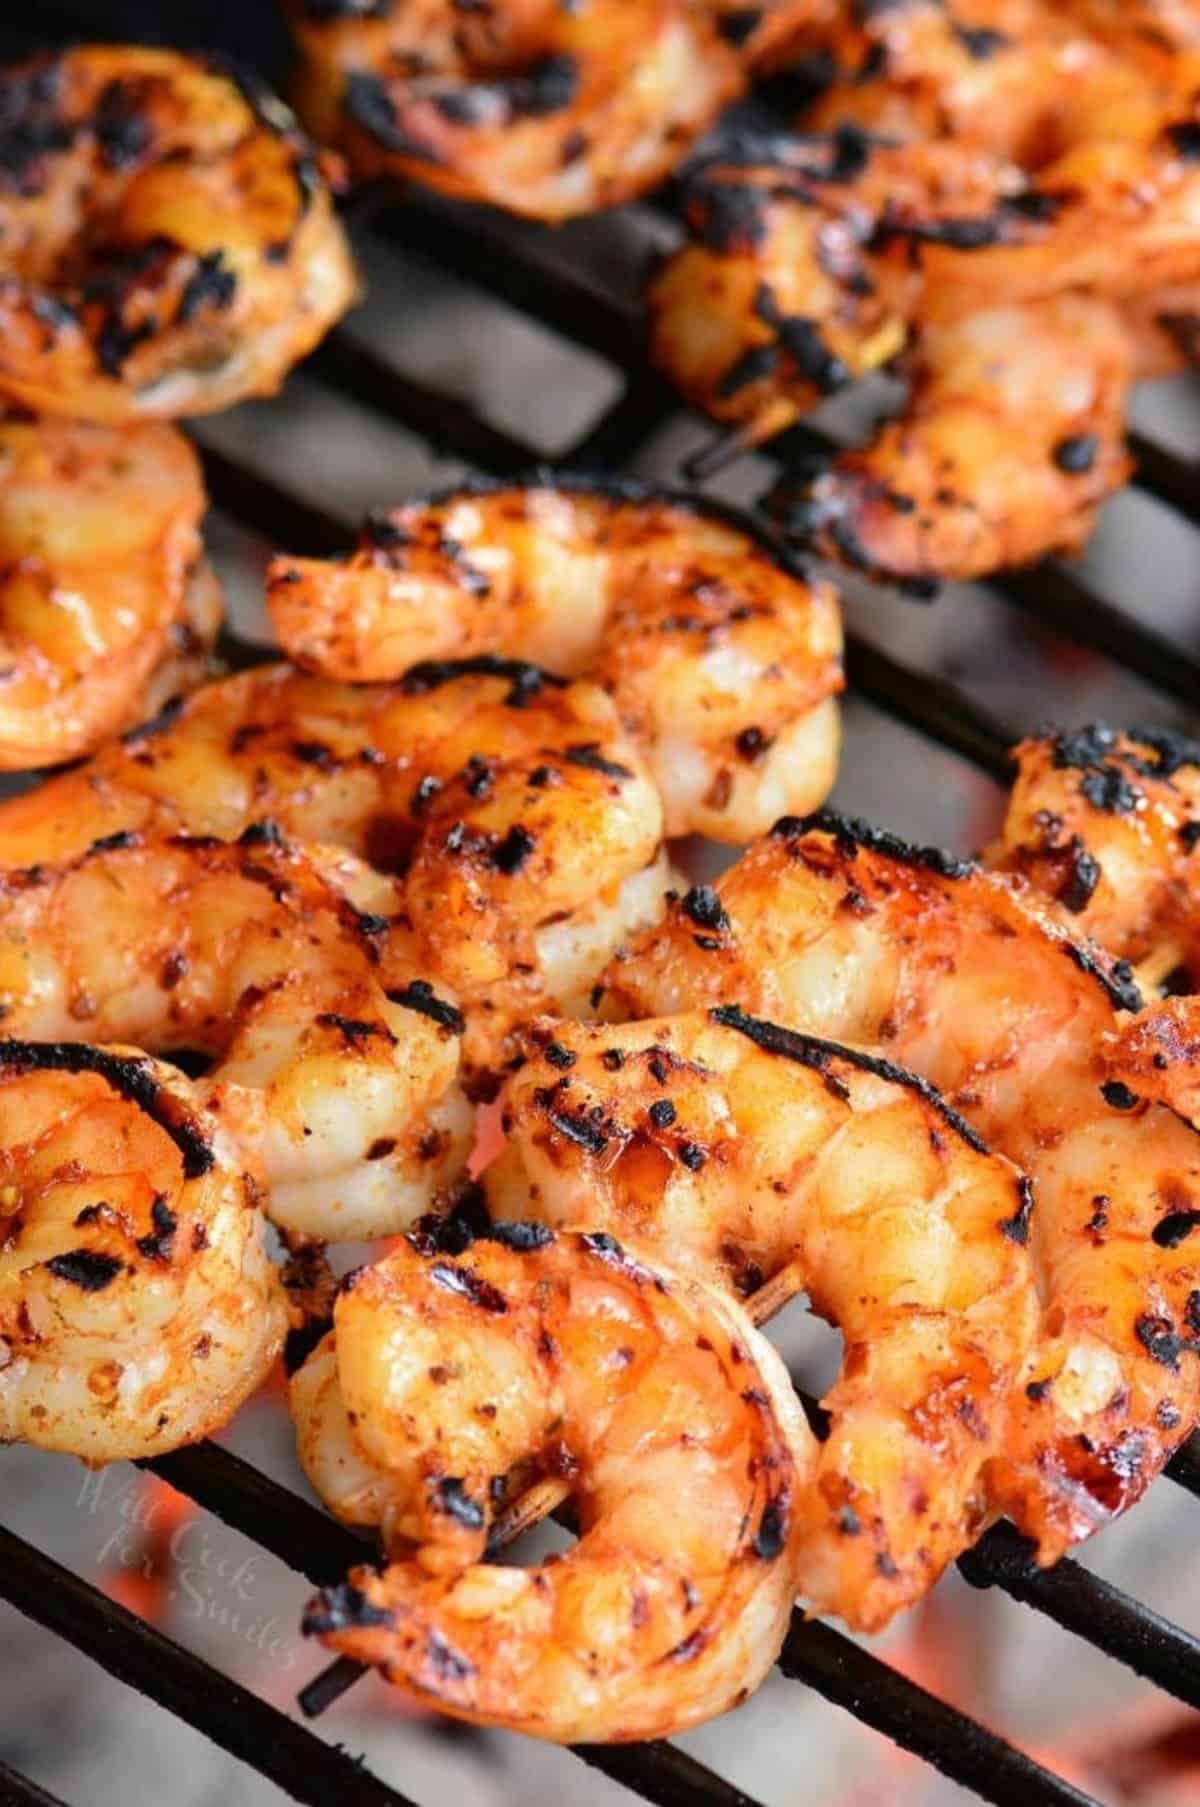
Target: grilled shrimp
1012, 437
543, 109
804, 264
521, 816
99, 569
565, 1354
138, 1308
1108, 825
335, 1068
1016, 78
748, 1154
844, 932
722, 662
1131, 25
167, 242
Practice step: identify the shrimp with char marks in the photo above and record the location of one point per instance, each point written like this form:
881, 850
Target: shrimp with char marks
540, 108
722, 661
336, 1067
803, 266
520, 815
839, 930
168, 244
102, 581
638, 1385
1012, 437
1015, 78
760, 1158
138, 1306
1108, 825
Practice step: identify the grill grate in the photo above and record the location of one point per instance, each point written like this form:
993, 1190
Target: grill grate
537, 274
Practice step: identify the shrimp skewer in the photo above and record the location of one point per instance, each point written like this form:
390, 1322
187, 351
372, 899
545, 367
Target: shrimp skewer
761, 1158
521, 817
542, 109
722, 661
138, 1307
957, 974
337, 1068
560, 1352
168, 244
100, 568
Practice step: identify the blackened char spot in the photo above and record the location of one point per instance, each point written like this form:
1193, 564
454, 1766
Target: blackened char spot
86, 1268
1016, 1227
527, 680
579, 1129
129, 1077
523, 1238
470, 1286
816, 1054
771, 1535
212, 284
510, 854
739, 26
342, 1608
853, 833
589, 756
1174, 1228
454, 1500
367, 103
704, 907
420, 996
752, 366
447, 1662
1076, 454
159, 1244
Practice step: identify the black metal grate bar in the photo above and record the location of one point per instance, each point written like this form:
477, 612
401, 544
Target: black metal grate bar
305, 1767
1184, 1466
1091, 1607
17, 1790
1164, 474
883, 1698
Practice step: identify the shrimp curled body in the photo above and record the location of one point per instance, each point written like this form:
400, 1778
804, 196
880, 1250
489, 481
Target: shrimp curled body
521, 818
958, 974
566, 1354
337, 1073
138, 1307
167, 242
722, 662
750, 1152
101, 575
543, 109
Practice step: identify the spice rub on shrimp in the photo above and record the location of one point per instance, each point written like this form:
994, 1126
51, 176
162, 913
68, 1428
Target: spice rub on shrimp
722, 660
1012, 437
563, 1354
335, 1068
520, 816
842, 931
1108, 825
138, 1307
1016, 78
760, 1158
168, 244
540, 108
100, 572
804, 264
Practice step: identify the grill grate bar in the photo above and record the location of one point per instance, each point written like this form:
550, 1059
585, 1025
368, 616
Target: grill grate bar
881, 1697
1184, 1466
1164, 474
305, 1767
570, 304
17, 1790
1092, 1608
